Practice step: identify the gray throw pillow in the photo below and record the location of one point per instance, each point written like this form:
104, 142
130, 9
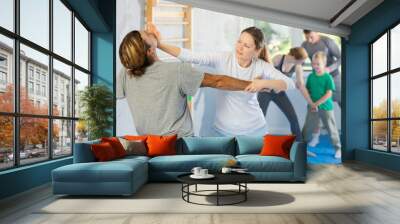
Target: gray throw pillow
134, 147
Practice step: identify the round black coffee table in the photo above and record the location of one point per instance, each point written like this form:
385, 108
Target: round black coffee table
238, 179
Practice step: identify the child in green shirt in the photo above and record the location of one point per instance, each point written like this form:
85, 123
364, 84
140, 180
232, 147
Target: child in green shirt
320, 86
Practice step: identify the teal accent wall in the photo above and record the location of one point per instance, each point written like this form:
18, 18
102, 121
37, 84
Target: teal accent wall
99, 16
356, 50
103, 63
103, 51
24, 178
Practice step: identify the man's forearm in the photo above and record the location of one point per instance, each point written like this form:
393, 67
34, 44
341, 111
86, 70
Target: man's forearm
224, 82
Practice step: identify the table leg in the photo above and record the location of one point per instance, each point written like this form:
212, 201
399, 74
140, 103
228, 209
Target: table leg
188, 190
217, 194
245, 193
196, 188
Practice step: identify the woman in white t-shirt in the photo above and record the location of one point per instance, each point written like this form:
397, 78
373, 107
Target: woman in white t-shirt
237, 113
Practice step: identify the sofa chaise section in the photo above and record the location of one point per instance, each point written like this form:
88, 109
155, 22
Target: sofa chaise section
87, 177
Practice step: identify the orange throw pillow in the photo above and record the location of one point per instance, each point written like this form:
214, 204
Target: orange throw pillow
275, 145
161, 145
135, 138
116, 145
103, 152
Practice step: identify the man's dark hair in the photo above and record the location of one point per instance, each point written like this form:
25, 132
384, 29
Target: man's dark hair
306, 31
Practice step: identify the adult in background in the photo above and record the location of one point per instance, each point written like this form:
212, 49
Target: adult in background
289, 64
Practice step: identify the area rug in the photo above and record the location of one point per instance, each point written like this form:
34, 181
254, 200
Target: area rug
167, 198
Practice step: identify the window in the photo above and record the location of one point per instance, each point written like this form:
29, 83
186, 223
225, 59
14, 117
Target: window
3, 61
62, 29
3, 78
81, 81
38, 74
62, 74
385, 97
6, 74
30, 87
3, 71
35, 22
38, 89
43, 90
30, 72
6, 142
62, 140
7, 14
81, 45
54, 126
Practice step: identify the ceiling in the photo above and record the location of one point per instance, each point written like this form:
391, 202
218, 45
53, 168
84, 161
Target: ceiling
318, 15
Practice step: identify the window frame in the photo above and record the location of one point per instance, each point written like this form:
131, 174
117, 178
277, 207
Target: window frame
388, 74
16, 115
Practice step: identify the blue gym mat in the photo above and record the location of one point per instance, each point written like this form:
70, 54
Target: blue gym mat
324, 151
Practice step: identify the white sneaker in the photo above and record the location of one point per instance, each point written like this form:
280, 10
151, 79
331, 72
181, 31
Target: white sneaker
309, 153
314, 141
338, 154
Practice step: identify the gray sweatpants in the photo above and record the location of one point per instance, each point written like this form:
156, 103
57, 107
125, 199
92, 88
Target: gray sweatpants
328, 119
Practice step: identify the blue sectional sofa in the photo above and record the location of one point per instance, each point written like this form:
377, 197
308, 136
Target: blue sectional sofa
125, 176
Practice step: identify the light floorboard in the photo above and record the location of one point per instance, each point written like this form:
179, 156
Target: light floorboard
353, 182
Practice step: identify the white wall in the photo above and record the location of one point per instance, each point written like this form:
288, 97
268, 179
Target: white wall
130, 16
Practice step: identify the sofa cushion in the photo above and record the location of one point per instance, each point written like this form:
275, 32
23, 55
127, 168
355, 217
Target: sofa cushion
206, 145
103, 152
112, 171
249, 144
257, 163
161, 145
185, 163
116, 145
277, 145
134, 147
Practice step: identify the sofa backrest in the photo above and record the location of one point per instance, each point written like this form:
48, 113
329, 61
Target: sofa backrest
206, 145
83, 153
249, 144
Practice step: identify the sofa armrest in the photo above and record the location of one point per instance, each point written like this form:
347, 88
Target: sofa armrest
298, 155
83, 152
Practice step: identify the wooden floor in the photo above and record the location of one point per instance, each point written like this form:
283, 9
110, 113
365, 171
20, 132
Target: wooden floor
377, 188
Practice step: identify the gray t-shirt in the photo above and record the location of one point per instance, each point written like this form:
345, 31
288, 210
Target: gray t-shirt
331, 50
158, 98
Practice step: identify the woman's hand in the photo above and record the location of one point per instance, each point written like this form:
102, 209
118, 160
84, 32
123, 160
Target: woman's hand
152, 29
256, 85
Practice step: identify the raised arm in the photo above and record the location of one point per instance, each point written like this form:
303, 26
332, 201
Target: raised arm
208, 59
224, 82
